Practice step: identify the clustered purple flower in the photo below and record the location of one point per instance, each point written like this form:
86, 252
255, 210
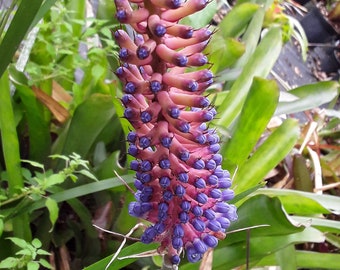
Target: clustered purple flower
181, 188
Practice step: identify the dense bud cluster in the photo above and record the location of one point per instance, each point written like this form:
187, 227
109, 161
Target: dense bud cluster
181, 188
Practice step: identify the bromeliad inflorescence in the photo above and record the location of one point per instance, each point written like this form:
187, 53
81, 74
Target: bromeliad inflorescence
181, 188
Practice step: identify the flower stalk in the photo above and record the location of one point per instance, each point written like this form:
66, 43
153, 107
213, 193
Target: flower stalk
181, 188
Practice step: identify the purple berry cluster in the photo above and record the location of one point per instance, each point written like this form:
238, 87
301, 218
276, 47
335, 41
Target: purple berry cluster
181, 188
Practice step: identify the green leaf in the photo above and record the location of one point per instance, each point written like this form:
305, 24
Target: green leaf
309, 96
45, 263
53, 210
331, 203
286, 258
119, 264
234, 23
223, 52
36, 243
302, 178
322, 224
19, 242
17, 30
255, 115
89, 119
201, 18
259, 65
32, 266
9, 263
267, 156
307, 260
55, 179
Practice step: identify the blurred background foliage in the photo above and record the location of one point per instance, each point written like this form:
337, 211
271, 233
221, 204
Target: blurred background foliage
62, 153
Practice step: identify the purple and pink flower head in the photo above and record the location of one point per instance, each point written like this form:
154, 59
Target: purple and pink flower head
181, 188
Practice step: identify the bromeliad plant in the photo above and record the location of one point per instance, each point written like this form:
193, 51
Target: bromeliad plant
181, 188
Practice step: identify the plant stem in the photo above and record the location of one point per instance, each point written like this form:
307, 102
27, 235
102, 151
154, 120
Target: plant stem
10, 145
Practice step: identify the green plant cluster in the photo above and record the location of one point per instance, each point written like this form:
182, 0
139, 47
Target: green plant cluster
63, 153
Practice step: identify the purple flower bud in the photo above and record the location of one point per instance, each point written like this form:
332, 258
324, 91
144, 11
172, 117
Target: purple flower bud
155, 86
217, 158
201, 139
146, 166
185, 205
128, 112
146, 117
164, 181
210, 165
200, 246
212, 180
199, 164
134, 165
181, 60
183, 177
210, 241
219, 172
145, 177
232, 214
163, 207
164, 164
221, 207
214, 225
215, 193
197, 211
177, 243
138, 184
123, 54
213, 138
137, 209
227, 195
166, 141
208, 116
159, 227
192, 86
130, 88
179, 191
178, 231
167, 195
142, 52
184, 155
199, 183
198, 224
148, 235
184, 127
183, 217
225, 223
160, 30
214, 148
201, 198
174, 112
192, 255
204, 102
209, 214
175, 259
133, 150
131, 137
224, 183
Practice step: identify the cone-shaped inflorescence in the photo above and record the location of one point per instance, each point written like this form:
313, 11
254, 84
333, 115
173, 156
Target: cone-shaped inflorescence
181, 188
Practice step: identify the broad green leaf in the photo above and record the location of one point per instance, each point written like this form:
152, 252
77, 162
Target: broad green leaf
331, 203
64, 195
263, 211
307, 260
9, 263
223, 52
89, 119
11, 153
334, 239
308, 97
16, 31
19, 242
323, 224
258, 109
267, 156
260, 65
36, 243
302, 178
201, 18
237, 19
135, 248
38, 126
53, 210
32, 266
285, 258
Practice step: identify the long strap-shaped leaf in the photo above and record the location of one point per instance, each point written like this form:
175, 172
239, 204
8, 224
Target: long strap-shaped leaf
18, 28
